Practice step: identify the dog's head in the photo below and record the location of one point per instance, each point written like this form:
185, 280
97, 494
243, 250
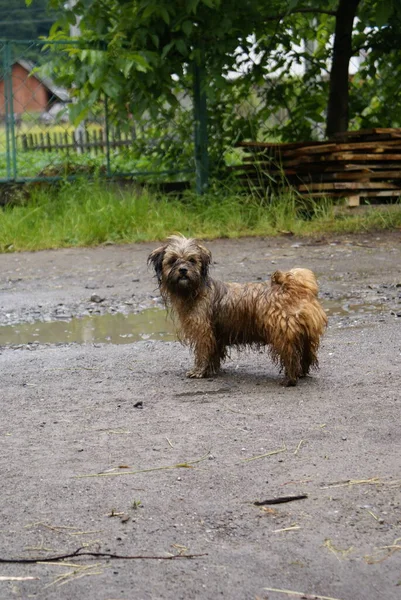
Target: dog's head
181, 266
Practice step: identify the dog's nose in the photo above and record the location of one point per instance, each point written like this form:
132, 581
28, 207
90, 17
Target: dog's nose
183, 270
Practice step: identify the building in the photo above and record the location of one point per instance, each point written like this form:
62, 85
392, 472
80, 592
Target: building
32, 93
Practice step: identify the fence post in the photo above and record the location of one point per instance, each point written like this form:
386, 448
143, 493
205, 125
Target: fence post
200, 126
107, 135
11, 158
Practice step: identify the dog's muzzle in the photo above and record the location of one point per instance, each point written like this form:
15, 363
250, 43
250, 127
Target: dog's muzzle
183, 279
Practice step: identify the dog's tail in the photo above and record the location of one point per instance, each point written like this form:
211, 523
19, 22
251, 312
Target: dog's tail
296, 277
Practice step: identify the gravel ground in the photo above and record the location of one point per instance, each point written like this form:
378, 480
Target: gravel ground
108, 447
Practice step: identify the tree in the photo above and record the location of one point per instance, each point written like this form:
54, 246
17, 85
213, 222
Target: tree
338, 103
135, 51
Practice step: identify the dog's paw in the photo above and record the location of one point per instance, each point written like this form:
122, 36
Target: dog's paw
289, 382
197, 373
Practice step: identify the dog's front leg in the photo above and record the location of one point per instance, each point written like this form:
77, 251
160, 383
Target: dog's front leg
207, 356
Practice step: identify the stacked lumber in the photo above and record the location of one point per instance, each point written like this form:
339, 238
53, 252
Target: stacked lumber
354, 165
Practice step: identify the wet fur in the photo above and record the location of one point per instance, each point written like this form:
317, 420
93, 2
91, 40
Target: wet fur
284, 314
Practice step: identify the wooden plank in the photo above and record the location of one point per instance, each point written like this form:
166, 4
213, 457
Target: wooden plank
359, 147
347, 185
345, 157
352, 201
348, 157
371, 131
347, 146
263, 146
350, 176
343, 194
335, 161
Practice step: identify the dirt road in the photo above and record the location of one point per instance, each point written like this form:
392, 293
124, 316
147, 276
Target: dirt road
108, 447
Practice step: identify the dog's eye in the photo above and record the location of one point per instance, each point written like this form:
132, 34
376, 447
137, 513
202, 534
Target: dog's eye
193, 261
171, 261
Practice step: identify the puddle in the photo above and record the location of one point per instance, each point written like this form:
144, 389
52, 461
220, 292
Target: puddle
344, 308
151, 324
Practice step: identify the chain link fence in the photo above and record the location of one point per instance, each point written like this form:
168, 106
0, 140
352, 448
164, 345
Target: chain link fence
38, 141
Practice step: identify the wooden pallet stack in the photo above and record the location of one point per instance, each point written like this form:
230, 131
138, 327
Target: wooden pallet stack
353, 165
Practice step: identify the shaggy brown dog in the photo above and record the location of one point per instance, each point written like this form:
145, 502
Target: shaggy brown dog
284, 315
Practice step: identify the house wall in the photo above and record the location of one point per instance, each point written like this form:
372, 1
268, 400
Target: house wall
29, 95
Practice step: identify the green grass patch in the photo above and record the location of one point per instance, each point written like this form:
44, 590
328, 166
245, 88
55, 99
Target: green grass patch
83, 213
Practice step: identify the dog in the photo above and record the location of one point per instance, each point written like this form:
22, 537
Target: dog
284, 314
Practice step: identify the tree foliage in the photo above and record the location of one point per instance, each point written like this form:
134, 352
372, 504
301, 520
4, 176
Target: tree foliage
140, 52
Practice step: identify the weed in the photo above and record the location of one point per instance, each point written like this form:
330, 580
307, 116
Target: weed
88, 213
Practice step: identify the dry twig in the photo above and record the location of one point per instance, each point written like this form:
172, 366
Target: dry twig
185, 465
300, 594
80, 552
280, 500
284, 449
384, 552
290, 528
5, 578
337, 551
297, 449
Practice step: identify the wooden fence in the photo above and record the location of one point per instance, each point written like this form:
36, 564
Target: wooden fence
93, 141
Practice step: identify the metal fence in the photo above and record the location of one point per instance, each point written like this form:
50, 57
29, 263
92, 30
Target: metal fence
38, 142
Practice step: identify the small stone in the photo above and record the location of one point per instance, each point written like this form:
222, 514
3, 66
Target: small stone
96, 298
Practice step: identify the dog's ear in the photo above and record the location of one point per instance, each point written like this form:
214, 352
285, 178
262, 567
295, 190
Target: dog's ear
206, 258
156, 259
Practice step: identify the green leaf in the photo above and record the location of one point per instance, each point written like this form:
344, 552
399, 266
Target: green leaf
164, 14
78, 112
149, 10
167, 49
384, 10
128, 67
140, 62
93, 97
192, 6
71, 17
111, 88
181, 47
210, 3
187, 27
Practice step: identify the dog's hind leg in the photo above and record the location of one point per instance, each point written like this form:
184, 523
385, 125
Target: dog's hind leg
290, 360
286, 347
308, 356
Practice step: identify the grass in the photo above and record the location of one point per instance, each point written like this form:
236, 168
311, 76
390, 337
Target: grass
83, 213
